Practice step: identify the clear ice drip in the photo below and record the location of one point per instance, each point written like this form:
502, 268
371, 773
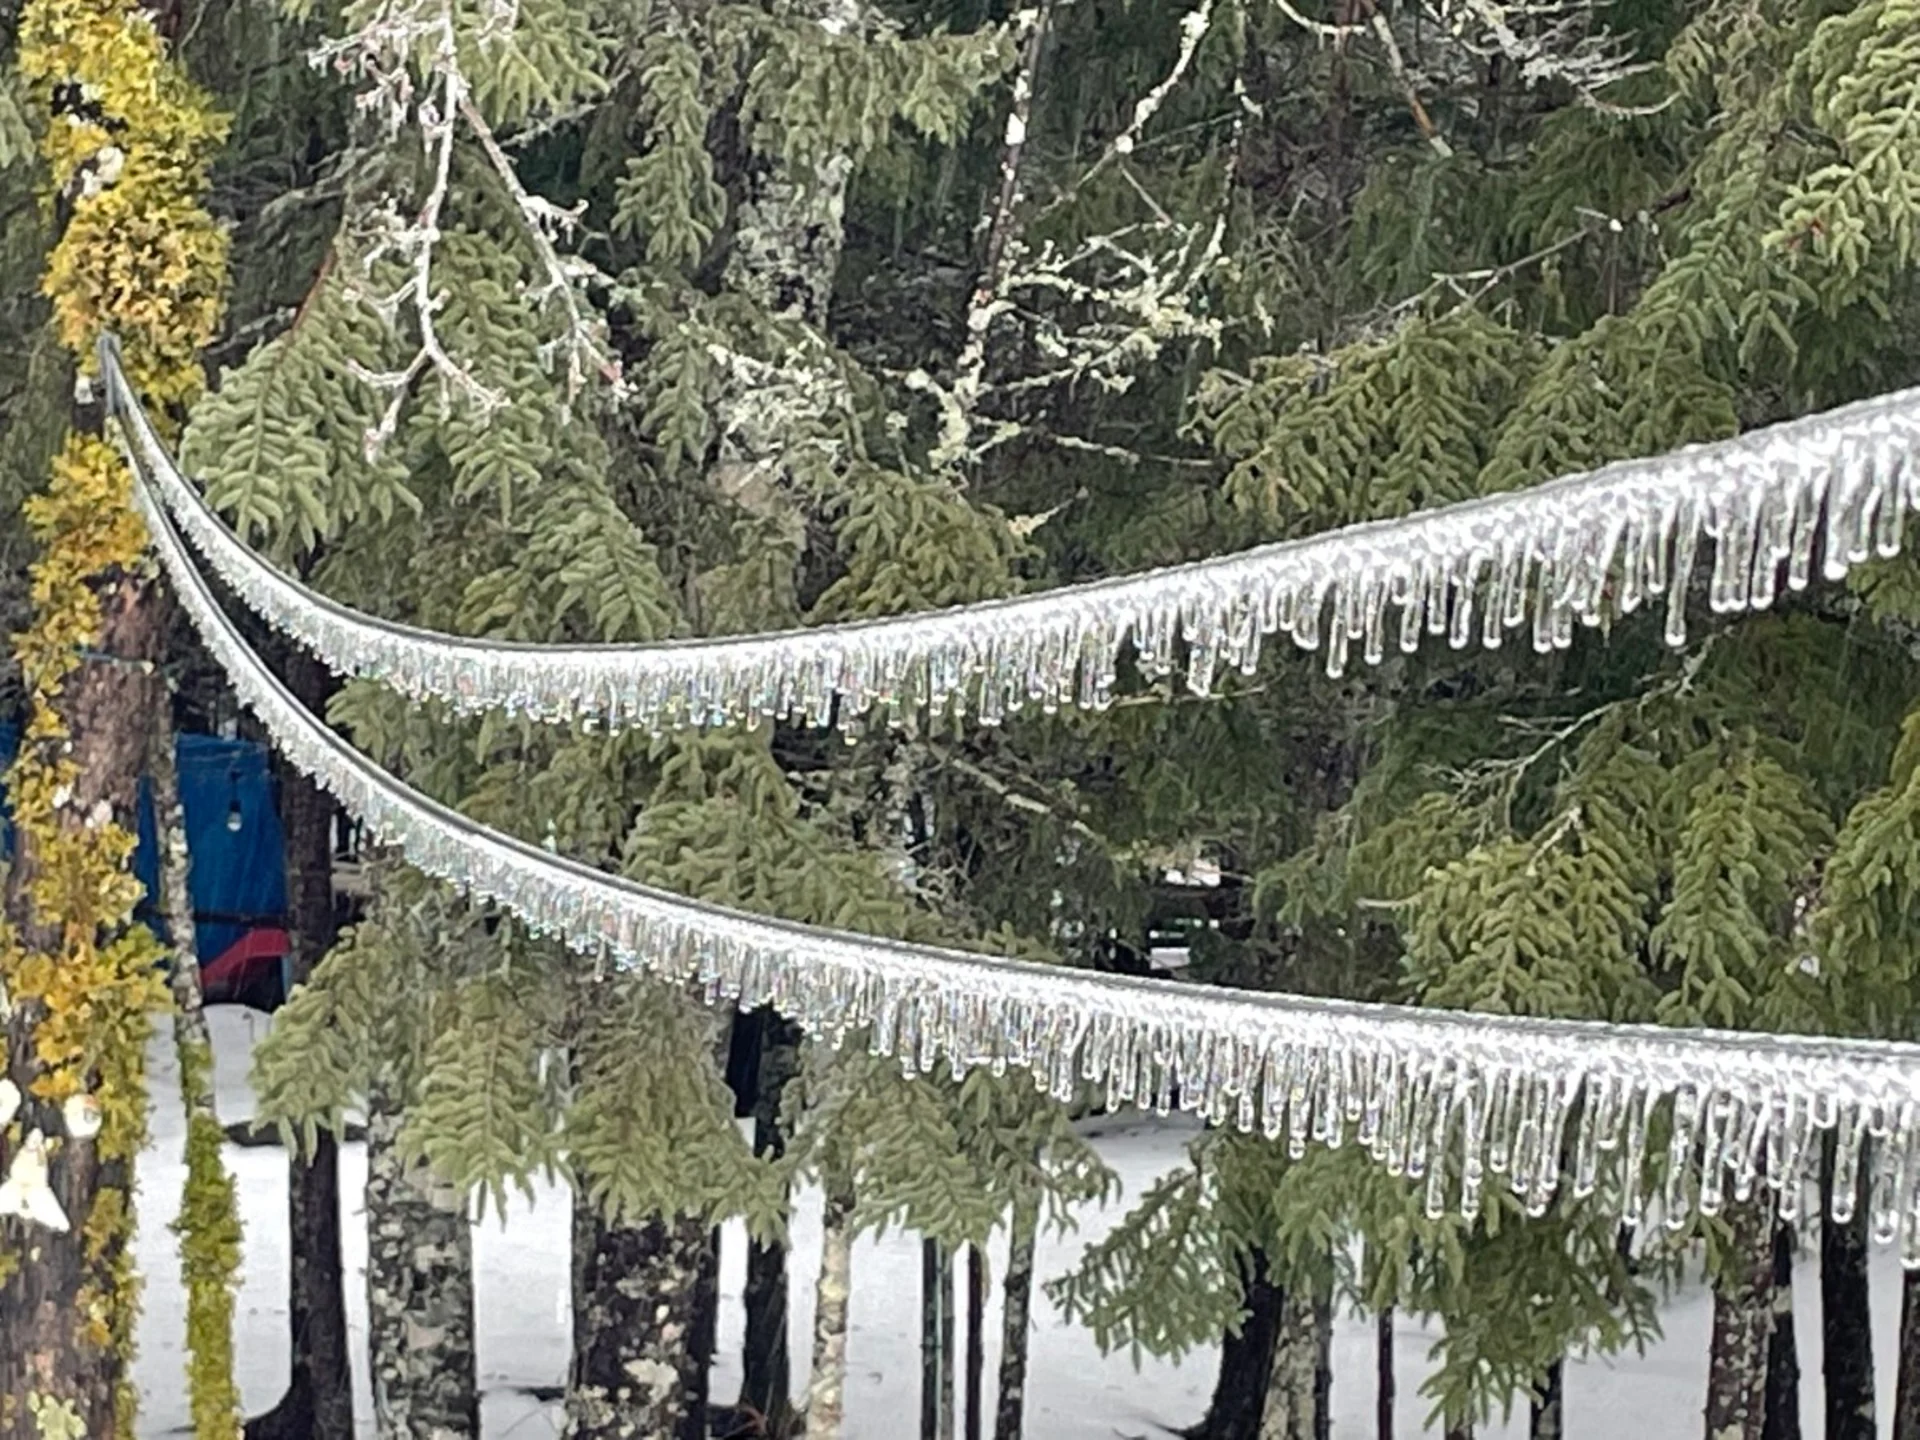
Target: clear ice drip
1458, 1102
1834, 487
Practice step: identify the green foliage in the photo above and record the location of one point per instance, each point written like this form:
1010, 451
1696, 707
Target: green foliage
1746, 847
1525, 929
651, 1131
1397, 426
668, 194
815, 96
280, 445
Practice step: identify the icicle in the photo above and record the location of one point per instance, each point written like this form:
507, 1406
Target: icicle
1418, 1088
1562, 554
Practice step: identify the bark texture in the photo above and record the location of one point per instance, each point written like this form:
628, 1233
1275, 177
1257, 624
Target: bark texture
766, 1381
1742, 1323
45, 1351
826, 1390
1906, 1402
1016, 1320
318, 1404
1246, 1360
1783, 1351
1384, 1381
1846, 1325
936, 1341
636, 1288
209, 1221
1292, 1406
976, 1340
1549, 1418
419, 1290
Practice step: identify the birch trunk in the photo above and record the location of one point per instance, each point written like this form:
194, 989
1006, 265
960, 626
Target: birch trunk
636, 1288
1846, 1325
1783, 1353
318, 1404
826, 1388
1906, 1401
209, 1220
1742, 1322
419, 1290
1291, 1408
1016, 1322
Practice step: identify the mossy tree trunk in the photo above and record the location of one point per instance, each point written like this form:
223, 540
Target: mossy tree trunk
826, 1389
60, 1374
318, 1404
636, 1299
209, 1222
1291, 1409
420, 1339
1742, 1323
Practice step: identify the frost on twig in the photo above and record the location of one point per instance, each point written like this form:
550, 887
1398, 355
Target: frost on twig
1564, 41
406, 59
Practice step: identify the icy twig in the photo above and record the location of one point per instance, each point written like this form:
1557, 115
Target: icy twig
583, 342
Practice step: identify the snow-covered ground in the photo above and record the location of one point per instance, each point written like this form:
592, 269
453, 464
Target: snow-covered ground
1075, 1392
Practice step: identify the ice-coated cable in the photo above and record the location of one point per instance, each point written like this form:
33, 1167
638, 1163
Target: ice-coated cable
1822, 493
1645, 1119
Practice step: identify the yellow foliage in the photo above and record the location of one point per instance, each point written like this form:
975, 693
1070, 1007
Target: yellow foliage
139, 257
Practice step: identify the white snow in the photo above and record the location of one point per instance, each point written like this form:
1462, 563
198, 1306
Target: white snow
1074, 1392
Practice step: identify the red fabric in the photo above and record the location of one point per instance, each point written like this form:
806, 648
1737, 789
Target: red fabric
233, 963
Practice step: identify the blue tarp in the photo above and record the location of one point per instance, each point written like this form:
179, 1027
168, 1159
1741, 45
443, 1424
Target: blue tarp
239, 878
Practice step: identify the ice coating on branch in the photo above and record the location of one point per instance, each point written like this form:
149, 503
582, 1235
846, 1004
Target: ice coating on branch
1758, 512
1453, 1101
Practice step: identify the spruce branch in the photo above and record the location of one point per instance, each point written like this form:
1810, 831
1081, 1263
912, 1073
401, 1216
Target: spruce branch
382, 53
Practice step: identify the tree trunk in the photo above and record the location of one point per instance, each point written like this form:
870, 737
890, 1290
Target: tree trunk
766, 1371
976, 1340
1846, 1323
1246, 1360
318, 1404
1291, 1409
636, 1291
706, 1320
1016, 1322
1549, 1419
419, 1290
209, 1222
1383, 1371
1783, 1354
1906, 1403
1323, 1367
65, 1182
936, 1341
1742, 1322
826, 1389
